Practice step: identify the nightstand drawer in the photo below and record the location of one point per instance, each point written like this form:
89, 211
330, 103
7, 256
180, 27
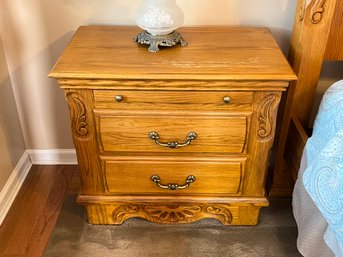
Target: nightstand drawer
166, 133
185, 177
173, 100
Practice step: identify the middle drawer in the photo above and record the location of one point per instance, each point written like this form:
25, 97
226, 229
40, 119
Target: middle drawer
166, 133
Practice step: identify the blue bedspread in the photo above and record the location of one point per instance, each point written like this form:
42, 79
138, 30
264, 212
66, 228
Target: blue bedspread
323, 177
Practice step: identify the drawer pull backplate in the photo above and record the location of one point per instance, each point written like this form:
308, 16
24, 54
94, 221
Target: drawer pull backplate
156, 178
190, 137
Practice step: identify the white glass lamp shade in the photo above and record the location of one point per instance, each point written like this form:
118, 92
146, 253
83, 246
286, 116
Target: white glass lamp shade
159, 17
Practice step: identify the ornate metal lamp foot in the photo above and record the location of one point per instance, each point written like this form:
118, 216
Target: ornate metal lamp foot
159, 40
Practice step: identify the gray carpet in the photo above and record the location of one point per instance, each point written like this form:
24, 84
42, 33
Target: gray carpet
274, 236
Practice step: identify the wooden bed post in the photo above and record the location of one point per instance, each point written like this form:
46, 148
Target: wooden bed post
311, 33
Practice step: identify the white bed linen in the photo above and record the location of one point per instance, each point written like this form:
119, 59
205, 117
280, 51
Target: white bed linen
311, 223
317, 196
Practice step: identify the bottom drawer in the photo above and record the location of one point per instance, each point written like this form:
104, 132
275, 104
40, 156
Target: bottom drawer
181, 177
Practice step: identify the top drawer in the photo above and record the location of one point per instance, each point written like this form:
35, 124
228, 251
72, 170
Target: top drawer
173, 100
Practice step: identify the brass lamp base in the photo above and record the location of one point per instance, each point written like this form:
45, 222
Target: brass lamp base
159, 40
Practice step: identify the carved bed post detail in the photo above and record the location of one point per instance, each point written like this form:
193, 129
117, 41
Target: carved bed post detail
317, 11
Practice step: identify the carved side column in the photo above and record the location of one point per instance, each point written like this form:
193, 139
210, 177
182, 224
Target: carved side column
81, 104
261, 140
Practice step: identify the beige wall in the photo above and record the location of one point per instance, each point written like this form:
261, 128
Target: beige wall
36, 31
12, 144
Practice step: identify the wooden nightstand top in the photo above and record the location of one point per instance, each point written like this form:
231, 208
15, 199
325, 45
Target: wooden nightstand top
213, 53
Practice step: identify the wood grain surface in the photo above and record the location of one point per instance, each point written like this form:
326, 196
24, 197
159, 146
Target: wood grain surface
133, 177
106, 52
129, 132
204, 101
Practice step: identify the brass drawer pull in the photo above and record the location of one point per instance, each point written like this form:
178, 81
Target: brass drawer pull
156, 178
119, 98
190, 137
227, 99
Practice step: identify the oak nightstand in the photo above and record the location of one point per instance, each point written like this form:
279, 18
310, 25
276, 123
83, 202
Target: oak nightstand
176, 136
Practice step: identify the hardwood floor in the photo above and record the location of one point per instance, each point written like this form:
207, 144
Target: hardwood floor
27, 227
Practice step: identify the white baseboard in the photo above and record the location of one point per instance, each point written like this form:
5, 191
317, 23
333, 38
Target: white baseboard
13, 184
53, 156
39, 157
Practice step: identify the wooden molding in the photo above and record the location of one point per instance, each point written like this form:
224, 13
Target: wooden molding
173, 212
